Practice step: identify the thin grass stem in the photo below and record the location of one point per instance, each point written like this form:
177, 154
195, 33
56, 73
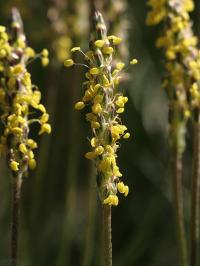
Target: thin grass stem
177, 168
107, 235
195, 200
16, 192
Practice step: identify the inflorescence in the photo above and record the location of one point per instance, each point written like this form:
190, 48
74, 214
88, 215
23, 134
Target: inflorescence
19, 99
104, 103
182, 61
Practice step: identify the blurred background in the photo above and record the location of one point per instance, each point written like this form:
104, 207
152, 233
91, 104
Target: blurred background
60, 211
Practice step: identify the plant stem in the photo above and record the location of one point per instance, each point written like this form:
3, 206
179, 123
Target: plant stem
107, 235
92, 211
178, 203
15, 218
195, 194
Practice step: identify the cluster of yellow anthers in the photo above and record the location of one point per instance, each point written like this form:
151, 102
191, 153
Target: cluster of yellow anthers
19, 99
182, 55
104, 103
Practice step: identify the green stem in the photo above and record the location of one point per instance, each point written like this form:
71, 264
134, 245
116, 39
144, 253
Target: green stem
178, 203
195, 194
16, 191
107, 235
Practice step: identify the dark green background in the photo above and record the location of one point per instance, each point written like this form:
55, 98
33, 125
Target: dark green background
59, 198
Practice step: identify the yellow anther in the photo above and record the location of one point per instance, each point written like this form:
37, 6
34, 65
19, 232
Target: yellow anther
32, 164
120, 66
45, 53
133, 61
99, 150
79, 105
120, 110
45, 61
126, 136
68, 63
96, 108
45, 128
95, 125
94, 71
74, 49
99, 43
107, 50
22, 148
90, 155
14, 166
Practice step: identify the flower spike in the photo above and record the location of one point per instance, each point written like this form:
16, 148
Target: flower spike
105, 104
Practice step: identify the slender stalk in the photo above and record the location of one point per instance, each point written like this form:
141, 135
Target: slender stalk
107, 235
178, 203
92, 211
195, 200
15, 219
